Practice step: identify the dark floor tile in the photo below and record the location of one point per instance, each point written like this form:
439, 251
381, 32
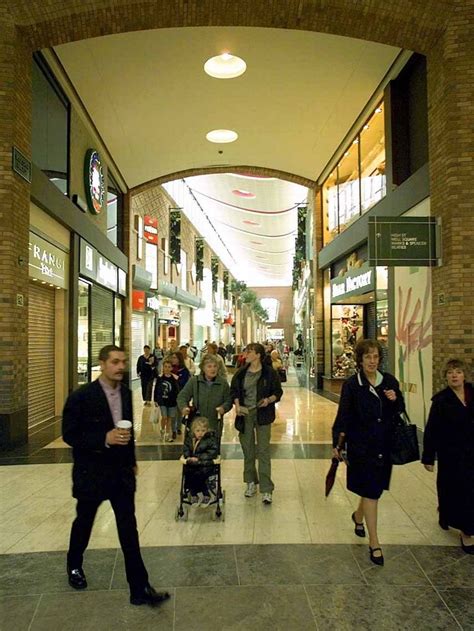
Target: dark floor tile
185, 566
380, 607
224, 608
400, 567
297, 564
461, 603
100, 610
446, 566
16, 612
44, 572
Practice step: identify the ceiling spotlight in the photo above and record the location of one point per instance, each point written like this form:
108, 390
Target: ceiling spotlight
378, 110
251, 223
256, 242
222, 135
225, 66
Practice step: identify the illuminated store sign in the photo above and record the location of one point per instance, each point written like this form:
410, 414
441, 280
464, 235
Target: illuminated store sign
47, 263
357, 281
99, 269
94, 182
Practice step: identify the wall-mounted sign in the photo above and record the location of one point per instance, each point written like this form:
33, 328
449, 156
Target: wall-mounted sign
150, 228
94, 182
47, 262
99, 269
168, 315
138, 300
403, 241
122, 282
21, 165
357, 281
153, 303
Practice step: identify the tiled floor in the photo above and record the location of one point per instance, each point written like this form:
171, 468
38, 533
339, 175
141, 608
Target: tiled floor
293, 565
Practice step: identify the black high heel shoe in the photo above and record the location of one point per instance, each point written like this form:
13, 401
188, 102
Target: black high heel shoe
377, 560
467, 549
359, 529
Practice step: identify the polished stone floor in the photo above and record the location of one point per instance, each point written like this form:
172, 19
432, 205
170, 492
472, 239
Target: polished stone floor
293, 565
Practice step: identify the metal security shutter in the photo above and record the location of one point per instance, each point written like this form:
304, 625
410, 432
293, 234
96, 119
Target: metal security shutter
40, 354
102, 320
371, 320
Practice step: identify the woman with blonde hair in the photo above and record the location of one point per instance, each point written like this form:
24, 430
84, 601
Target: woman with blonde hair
449, 437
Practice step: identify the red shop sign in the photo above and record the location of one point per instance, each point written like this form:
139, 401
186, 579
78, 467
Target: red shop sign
138, 300
150, 229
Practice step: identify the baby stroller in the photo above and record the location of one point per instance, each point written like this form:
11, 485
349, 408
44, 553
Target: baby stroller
217, 502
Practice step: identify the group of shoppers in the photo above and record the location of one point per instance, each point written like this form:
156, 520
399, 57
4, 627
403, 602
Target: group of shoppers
370, 401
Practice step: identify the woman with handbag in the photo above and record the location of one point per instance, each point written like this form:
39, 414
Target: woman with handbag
369, 402
209, 393
449, 436
255, 389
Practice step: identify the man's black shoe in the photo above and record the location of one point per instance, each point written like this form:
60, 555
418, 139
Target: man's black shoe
149, 596
77, 578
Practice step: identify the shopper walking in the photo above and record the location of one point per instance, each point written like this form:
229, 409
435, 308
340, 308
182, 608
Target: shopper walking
209, 393
146, 372
255, 389
367, 407
104, 469
449, 437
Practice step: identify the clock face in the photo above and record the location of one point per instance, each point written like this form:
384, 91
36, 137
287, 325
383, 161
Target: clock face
94, 181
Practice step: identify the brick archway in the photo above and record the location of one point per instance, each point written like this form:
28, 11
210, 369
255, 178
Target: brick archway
246, 170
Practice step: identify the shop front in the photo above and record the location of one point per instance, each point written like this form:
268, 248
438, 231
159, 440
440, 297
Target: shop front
47, 318
355, 307
102, 287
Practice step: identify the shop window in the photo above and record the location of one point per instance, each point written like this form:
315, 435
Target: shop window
349, 186
49, 125
114, 212
330, 213
83, 333
347, 327
372, 159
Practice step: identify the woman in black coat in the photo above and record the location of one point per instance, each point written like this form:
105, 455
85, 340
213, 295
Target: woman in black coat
369, 402
449, 436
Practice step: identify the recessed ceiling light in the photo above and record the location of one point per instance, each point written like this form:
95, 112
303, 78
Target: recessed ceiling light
251, 223
241, 193
365, 127
225, 66
256, 242
378, 110
222, 135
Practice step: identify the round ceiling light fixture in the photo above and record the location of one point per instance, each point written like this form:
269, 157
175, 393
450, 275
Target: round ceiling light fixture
249, 222
241, 193
225, 66
222, 135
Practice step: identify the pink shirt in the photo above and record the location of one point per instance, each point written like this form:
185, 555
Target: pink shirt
114, 399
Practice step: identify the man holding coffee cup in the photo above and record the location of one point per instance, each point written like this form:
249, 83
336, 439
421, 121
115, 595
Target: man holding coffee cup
98, 424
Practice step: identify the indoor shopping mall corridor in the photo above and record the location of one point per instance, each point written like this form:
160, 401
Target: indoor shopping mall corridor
295, 564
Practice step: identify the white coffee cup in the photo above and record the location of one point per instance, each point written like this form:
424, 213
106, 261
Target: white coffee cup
124, 425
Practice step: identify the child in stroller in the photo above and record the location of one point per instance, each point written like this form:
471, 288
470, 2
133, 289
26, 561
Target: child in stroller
200, 449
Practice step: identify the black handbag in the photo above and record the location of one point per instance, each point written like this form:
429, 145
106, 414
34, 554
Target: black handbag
282, 374
404, 440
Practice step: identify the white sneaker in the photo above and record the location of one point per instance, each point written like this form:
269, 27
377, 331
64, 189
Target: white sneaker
267, 498
251, 489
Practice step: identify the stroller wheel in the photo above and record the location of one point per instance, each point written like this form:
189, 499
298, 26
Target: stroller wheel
219, 514
181, 513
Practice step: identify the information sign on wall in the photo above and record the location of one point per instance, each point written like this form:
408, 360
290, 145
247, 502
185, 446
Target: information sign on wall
403, 241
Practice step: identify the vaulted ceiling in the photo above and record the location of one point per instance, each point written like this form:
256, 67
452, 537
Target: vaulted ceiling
152, 103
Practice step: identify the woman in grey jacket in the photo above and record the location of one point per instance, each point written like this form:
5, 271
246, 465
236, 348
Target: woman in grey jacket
209, 393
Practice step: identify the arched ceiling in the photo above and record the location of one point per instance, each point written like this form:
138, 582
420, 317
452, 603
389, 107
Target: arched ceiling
152, 103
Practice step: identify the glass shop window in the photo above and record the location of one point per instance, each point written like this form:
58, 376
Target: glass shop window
372, 158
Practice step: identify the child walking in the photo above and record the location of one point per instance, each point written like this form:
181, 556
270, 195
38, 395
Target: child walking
166, 393
200, 449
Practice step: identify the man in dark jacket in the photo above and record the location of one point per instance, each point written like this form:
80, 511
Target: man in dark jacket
146, 372
255, 389
105, 468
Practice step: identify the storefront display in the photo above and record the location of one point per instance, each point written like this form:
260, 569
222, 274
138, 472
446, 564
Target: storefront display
347, 327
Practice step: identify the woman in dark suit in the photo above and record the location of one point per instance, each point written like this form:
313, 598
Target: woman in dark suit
369, 401
449, 436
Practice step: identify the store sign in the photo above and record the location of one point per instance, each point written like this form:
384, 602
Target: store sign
153, 303
47, 262
138, 300
94, 182
150, 229
122, 282
99, 269
21, 165
168, 315
403, 242
357, 281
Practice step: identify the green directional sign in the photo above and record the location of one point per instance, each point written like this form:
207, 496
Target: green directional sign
403, 241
